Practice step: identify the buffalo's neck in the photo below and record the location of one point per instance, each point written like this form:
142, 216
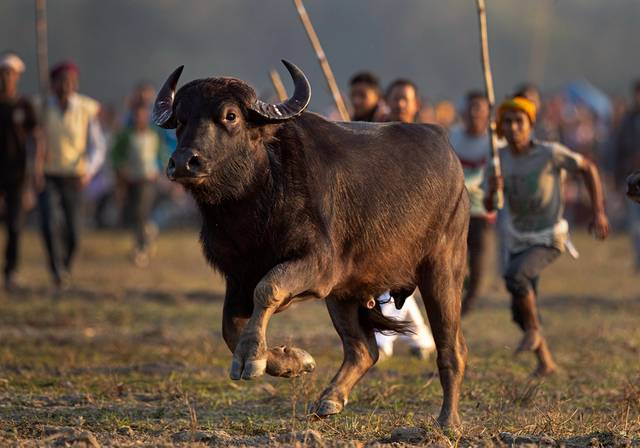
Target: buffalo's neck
277, 176
235, 228
255, 229
243, 215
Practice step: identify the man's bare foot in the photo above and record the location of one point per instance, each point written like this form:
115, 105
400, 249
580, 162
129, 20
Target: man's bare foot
545, 370
10, 283
531, 341
546, 364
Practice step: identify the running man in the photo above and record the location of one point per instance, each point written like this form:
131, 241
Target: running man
532, 174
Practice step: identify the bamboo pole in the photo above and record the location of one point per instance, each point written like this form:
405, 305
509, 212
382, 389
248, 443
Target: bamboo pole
42, 50
41, 143
539, 41
276, 80
488, 82
322, 58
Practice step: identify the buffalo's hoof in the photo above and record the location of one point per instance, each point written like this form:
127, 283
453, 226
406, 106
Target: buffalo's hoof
309, 365
248, 370
289, 362
325, 408
305, 359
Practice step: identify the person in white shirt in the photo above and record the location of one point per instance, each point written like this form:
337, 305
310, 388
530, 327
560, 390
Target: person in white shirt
472, 146
404, 103
75, 151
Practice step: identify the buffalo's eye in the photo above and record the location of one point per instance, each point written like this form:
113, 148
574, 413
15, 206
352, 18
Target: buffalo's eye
230, 116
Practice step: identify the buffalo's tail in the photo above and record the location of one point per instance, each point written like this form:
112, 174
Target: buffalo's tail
373, 319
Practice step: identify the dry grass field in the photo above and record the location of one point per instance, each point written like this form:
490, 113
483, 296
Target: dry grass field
130, 356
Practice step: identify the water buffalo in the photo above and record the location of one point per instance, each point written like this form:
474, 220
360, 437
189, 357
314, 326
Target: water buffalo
295, 206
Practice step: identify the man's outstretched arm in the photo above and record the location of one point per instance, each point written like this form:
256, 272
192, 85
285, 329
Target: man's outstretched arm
599, 224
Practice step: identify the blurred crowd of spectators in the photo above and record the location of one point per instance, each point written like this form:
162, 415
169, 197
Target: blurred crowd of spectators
129, 187
582, 118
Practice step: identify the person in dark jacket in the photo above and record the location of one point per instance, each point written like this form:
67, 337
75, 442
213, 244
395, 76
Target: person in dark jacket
627, 160
366, 97
18, 151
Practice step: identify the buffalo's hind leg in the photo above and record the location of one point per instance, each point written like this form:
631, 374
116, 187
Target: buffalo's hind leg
441, 287
360, 353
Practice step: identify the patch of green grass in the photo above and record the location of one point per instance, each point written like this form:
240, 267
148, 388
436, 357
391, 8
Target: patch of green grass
142, 348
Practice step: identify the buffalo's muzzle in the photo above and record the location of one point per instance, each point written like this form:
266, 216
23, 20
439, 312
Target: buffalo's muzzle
185, 165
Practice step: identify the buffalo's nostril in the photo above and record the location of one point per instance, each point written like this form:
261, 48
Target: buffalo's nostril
194, 164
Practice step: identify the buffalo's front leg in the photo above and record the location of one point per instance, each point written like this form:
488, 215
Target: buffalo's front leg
251, 357
283, 361
360, 353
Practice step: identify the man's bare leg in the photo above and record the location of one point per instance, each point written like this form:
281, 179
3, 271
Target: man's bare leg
533, 340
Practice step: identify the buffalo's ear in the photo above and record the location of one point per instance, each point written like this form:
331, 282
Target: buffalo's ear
261, 132
256, 119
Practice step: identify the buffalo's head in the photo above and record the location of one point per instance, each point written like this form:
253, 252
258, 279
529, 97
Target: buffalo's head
221, 128
633, 186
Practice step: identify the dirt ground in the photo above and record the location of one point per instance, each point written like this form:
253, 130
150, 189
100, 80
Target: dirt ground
130, 356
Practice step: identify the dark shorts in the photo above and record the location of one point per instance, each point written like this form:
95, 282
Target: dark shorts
524, 268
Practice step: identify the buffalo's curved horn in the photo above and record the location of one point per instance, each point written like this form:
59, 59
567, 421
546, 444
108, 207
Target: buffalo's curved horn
292, 107
162, 114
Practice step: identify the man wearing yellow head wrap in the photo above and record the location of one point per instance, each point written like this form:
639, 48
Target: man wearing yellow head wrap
516, 103
532, 173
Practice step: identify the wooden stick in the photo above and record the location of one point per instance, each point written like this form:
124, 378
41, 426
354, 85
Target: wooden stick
41, 144
42, 50
277, 85
488, 82
322, 58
